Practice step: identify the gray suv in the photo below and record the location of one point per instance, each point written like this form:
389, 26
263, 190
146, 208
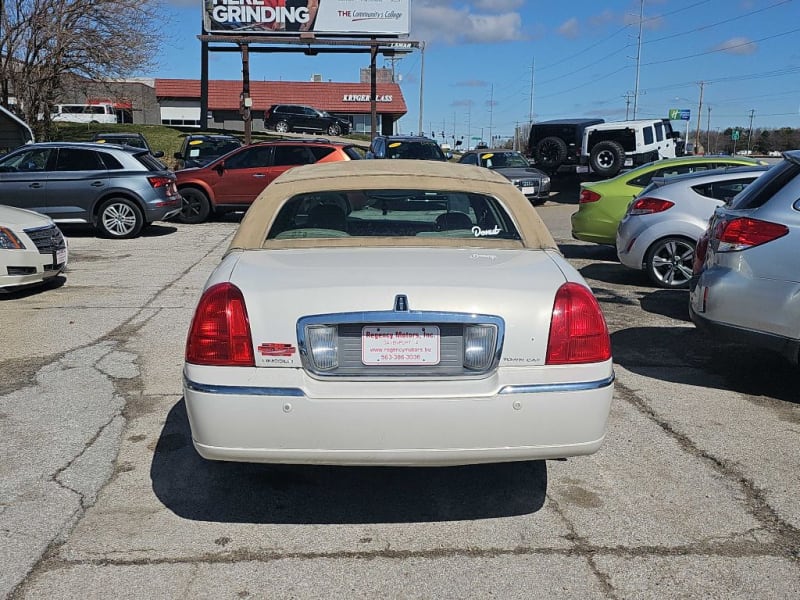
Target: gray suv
117, 189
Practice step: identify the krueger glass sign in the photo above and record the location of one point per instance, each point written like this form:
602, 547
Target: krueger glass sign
292, 17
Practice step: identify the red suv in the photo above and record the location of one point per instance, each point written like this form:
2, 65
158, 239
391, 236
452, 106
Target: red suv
233, 181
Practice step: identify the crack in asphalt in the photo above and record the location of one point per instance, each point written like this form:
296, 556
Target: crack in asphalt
583, 548
787, 537
55, 477
124, 386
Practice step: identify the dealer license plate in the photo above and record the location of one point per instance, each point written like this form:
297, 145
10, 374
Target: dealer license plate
61, 256
529, 191
400, 345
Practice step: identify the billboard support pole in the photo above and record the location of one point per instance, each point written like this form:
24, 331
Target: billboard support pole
203, 85
246, 102
373, 90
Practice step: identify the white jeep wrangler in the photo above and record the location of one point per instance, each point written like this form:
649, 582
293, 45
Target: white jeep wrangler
608, 147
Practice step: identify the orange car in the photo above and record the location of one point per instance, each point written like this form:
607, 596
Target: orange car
233, 181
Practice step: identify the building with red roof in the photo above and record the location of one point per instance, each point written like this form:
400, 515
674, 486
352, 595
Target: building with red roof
179, 101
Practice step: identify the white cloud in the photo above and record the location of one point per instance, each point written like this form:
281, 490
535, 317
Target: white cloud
737, 45
569, 29
604, 18
434, 22
649, 23
495, 5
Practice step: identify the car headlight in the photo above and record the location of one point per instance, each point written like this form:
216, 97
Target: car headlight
545, 181
479, 345
9, 241
323, 341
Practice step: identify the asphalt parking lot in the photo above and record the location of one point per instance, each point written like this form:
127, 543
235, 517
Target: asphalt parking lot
693, 495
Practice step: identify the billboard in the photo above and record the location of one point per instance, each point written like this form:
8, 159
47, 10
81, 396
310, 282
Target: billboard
385, 18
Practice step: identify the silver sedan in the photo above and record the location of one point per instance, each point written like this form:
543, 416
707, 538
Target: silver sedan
660, 229
748, 277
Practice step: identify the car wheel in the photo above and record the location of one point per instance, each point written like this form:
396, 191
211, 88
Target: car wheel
120, 218
606, 158
668, 262
282, 127
550, 152
195, 206
334, 129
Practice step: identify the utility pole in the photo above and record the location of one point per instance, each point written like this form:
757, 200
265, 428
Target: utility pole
469, 123
708, 131
627, 97
394, 59
750, 133
638, 59
421, 82
491, 110
530, 108
699, 114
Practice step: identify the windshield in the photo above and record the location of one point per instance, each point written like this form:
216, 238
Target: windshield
500, 160
393, 213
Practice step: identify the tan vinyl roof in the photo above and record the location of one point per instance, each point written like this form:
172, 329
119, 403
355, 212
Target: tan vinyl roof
390, 174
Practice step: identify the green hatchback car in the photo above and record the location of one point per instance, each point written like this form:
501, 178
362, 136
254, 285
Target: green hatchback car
602, 204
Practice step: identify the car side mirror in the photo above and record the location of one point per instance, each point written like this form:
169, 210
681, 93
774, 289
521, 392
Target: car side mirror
158, 153
178, 155
220, 168
448, 155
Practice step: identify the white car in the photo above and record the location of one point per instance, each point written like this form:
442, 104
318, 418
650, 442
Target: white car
32, 248
395, 313
660, 229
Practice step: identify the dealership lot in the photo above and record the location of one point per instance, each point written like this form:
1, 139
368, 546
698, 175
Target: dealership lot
693, 494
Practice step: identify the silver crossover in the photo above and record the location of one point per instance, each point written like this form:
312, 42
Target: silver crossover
661, 227
748, 277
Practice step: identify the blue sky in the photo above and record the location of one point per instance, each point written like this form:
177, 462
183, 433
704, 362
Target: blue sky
488, 61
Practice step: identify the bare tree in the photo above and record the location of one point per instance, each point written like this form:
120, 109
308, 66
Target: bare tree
44, 43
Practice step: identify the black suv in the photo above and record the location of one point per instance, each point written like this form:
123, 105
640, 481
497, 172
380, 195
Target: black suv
405, 146
135, 140
199, 149
292, 117
556, 143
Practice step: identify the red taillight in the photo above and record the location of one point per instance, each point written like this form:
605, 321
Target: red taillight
158, 181
648, 206
588, 196
220, 330
744, 232
578, 332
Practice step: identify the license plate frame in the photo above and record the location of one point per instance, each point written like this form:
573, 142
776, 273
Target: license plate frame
400, 345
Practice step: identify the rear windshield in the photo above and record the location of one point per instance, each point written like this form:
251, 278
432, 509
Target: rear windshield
766, 186
501, 160
150, 161
393, 213
415, 150
206, 148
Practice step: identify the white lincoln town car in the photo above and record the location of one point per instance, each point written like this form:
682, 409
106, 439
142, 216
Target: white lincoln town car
395, 313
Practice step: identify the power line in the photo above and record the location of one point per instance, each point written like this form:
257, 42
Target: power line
723, 22
726, 49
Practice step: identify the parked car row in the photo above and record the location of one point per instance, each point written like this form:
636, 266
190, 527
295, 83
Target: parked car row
730, 234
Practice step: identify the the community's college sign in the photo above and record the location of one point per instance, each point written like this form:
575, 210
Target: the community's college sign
388, 18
